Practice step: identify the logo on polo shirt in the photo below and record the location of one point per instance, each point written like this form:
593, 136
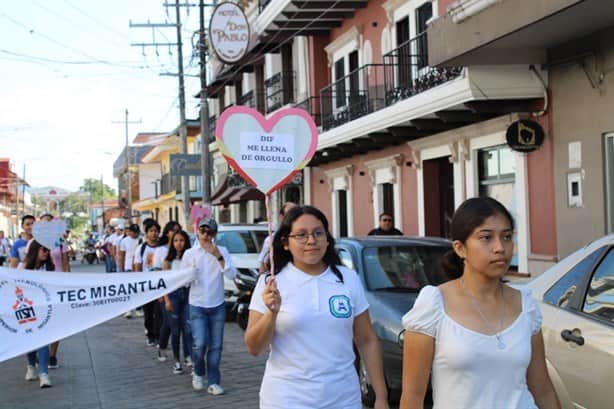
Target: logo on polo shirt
340, 306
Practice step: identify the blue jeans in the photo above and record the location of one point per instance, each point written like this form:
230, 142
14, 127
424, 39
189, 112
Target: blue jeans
109, 264
43, 359
207, 335
179, 322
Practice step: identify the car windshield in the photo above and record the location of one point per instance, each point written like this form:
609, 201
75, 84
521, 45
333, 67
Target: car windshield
403, 268
241, 241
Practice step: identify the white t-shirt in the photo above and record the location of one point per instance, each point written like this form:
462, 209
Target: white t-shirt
129, 245
470, 369
266, 247
147, 259
161, 253
311, 361
207, 291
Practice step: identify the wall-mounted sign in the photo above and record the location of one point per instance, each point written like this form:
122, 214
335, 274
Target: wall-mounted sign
229, 32
185, 165
525, 135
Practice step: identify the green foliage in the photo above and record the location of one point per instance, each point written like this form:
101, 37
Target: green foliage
95, 188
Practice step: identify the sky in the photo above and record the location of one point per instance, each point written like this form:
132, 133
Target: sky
68, 72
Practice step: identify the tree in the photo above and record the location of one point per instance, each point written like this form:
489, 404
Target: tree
95, 189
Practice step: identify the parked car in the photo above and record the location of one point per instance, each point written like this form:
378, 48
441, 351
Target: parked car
244, 242
392, 269
576, 297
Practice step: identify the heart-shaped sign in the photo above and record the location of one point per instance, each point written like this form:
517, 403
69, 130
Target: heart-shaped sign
49, 233
266, 152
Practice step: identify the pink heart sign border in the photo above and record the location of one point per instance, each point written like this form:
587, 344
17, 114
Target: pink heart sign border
235, 120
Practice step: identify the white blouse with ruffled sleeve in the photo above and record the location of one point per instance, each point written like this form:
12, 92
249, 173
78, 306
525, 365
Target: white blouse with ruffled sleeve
474, 370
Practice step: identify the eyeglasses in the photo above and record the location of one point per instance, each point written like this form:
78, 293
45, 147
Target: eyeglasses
207, 231
318, 235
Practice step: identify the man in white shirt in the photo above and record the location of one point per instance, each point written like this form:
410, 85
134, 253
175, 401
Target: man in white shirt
127, 248
5, 247
207, 309
263, 258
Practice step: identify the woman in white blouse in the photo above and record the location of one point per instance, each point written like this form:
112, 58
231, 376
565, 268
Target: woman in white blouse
480, 339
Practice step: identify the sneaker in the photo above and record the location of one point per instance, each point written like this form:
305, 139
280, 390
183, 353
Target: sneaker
162, 357
197, 382
139, 313
31, 374
188, 361
150, 342
45, 381
177, 369
53, 362
215, 389
128, 315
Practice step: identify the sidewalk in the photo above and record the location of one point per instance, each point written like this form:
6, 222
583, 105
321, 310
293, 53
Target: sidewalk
110, 367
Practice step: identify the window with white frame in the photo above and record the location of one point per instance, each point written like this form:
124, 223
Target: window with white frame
344, 62
385, 176
341, 189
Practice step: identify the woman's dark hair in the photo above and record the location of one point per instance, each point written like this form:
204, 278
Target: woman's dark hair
281, 256
172, 251
32, 256
470, 215
167, 227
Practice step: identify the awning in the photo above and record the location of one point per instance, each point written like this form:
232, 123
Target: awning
221, 187
225, 196
246, 193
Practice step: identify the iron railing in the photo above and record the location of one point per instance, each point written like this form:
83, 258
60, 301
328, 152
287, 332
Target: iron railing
312, 106
169, 184
407, 72
253, 99
279, 90
357, 94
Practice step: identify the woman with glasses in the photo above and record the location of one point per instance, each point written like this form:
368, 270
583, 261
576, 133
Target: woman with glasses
311, 314
207, 307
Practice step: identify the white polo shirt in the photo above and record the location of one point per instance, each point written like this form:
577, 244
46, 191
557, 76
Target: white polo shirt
129, 246
207, 291
311, 361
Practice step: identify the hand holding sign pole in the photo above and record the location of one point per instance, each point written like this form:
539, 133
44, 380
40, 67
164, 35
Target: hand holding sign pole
266, 152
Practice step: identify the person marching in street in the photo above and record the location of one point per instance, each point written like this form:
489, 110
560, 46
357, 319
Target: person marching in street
127, 249
144, 261
263, 258
18, 251
176, 303
478, 339
107, 247
311, 314
38, 258
160, 255
386, 227
117, 237
207, 307
61, 262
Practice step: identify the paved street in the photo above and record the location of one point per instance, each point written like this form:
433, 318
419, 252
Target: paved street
110, 367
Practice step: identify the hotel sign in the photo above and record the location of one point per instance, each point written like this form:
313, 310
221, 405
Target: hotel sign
229, 32
525, 135
185, 165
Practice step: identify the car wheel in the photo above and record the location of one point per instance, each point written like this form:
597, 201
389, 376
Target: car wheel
366, 389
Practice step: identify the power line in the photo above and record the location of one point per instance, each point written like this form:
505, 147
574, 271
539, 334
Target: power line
100, 23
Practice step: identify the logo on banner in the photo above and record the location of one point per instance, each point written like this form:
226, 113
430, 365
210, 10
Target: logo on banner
31, 306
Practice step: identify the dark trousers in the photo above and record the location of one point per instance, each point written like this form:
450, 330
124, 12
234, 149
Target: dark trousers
153, 320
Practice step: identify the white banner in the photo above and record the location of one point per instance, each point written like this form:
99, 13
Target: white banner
40, 307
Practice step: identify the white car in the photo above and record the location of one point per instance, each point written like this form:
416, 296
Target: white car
244, 242
576, 297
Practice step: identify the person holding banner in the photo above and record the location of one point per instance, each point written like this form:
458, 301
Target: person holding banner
311, 314
176, 303
37, 258
144, 261
207, 308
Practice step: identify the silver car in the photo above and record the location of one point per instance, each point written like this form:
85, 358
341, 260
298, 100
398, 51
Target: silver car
577, 301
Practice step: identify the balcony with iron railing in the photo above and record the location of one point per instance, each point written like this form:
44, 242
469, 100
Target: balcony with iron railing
170, 184
279, 90
357, 94
312, 106
407, 72
253, 99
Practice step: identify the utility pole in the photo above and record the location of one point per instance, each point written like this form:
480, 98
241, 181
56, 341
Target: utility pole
204, 111
102, 200
127, 160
